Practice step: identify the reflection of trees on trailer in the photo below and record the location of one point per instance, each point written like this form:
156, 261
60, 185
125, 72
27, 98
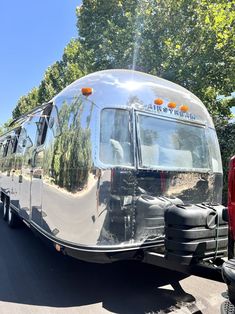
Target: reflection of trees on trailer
118, 165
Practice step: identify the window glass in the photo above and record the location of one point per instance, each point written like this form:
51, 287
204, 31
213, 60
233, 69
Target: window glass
22, 142
11, 145
54, 122
15, 139
43, 125
1, 149
115, 137
169, 144
5, 147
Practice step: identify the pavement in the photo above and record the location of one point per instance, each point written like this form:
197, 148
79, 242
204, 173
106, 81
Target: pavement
36, 279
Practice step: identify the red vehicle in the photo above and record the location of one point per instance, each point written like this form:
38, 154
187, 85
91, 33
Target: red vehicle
228, 269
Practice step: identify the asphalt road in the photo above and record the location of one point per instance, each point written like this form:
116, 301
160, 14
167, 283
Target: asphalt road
37, 279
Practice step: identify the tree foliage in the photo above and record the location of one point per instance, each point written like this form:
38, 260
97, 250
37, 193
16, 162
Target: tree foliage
5, 126
188, 42
26, 103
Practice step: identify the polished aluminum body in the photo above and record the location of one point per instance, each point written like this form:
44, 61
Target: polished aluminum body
96, 172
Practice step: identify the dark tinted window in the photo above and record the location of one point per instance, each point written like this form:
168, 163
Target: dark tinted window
6, 147
43, 125
15, 140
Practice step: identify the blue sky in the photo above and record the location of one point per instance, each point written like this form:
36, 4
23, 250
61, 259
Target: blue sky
33, 35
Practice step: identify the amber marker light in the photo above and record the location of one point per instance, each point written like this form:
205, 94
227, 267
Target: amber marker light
86, 91
184, 108
158, 101
171, 105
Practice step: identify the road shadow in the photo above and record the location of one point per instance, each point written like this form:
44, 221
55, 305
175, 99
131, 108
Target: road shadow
32, 273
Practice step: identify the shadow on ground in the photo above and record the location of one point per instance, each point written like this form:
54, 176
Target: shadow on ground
31, 273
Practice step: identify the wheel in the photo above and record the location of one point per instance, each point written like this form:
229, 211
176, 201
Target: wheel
5, 206
13, 219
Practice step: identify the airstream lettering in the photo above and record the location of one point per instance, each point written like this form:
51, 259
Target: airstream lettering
97, 169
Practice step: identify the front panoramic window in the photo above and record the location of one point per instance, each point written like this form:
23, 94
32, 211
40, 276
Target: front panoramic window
115, 138
167, 144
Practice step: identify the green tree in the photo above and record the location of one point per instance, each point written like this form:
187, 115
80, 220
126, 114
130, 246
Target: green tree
52, 83
76, 61
26, 103
5, 126
188, 42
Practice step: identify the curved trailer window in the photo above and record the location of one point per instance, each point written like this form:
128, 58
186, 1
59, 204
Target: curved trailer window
168, 144
116, 145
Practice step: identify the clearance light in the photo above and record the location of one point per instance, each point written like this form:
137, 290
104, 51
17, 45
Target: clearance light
86, 91
184, 108
171, 105
158, 101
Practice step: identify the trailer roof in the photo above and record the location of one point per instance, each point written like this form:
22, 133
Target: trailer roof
127, 88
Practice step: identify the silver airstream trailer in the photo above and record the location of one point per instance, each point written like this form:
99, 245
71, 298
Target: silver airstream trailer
96, 169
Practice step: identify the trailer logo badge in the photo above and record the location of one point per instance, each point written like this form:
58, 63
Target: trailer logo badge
178, 113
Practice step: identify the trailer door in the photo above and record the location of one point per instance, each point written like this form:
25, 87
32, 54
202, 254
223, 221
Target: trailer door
37, 165
26, 163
